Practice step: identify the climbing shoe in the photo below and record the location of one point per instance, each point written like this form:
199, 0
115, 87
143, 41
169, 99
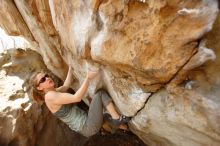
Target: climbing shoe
121, 120
120, 123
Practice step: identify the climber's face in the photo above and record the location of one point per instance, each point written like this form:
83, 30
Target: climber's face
44, 81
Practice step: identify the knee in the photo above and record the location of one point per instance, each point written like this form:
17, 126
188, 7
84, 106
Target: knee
100, 93
103, 92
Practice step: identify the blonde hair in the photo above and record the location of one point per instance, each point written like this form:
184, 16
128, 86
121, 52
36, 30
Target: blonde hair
36, 94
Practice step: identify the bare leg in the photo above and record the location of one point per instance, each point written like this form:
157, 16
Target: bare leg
111, 109
114, 114
108, 104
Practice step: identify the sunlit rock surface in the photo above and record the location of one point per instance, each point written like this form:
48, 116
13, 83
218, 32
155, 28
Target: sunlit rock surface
158, 60
187, 114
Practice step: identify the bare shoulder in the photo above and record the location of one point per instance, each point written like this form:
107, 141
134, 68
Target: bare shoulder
49, 96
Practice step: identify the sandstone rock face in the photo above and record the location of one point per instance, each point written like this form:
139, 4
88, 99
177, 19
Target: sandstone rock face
157, 59
187, 114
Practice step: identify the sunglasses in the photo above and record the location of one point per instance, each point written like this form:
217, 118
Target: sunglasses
43, 79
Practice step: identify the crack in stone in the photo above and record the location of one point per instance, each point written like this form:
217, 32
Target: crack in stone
176, 74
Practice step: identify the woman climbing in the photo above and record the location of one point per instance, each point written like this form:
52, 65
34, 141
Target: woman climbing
62, 104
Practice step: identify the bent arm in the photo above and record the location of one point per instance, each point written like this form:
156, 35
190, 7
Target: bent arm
59, 98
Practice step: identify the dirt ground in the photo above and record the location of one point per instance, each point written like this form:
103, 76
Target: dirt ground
119, 138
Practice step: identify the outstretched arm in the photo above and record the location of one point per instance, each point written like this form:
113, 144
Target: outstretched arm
66, 98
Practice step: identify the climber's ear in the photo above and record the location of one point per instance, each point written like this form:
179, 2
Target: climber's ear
40, 88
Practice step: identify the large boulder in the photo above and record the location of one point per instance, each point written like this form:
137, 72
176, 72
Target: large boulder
157, 59
187, 114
